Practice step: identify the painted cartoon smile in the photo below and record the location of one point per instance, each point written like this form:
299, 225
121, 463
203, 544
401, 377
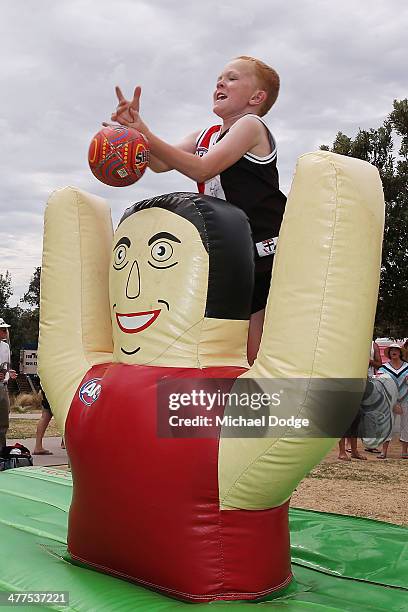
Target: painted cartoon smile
134, 322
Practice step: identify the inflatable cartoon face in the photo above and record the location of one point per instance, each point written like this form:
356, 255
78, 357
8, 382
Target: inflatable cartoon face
158, 284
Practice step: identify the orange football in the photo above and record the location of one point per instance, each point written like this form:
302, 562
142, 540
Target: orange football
118, 156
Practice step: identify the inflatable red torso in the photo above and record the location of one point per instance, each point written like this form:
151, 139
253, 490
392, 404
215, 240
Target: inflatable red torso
146, 508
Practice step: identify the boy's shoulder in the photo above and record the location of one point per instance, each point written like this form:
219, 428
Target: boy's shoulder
256, 125
251, 120
213, 128
206, 137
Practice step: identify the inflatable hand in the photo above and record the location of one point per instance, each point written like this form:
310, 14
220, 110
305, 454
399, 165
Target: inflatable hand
199, 518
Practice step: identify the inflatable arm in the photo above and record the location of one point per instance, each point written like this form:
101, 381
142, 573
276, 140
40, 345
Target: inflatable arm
75, 329
322, 302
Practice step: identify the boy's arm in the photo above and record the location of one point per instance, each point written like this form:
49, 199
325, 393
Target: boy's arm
188, 144
244, 135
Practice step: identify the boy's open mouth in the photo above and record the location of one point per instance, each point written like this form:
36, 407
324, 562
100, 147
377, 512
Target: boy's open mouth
220, 96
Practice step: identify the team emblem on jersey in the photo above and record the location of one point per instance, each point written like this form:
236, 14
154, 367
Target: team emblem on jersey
90, 391
266, 247
200, 151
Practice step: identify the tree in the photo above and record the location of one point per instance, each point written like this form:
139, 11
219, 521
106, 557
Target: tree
6, 290
24, 322
20, 332
32, 296
377, 146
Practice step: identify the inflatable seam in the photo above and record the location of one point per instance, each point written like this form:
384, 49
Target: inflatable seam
199, 364
83, 293
222, 558
235, 595
154, 360
206, 297
200, 338
328, 265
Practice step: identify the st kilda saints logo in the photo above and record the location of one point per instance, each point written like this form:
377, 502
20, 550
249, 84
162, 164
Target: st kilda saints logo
201, 151
90, 391
266, 247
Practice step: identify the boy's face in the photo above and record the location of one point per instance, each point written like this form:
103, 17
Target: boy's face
236, 86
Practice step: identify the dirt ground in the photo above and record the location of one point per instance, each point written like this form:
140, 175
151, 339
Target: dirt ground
376, 489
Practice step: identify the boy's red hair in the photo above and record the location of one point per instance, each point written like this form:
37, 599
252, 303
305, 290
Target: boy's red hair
268, 79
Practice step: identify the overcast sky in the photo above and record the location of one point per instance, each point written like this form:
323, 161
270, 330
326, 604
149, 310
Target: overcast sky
341, 65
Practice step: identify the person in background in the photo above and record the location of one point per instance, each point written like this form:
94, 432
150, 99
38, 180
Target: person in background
351, 435
373, 365
43, 423
397, 368
5, 374
375, 359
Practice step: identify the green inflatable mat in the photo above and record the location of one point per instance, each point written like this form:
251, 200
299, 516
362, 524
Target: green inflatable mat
340, 563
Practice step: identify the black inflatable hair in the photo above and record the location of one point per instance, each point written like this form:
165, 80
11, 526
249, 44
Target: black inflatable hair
226, 235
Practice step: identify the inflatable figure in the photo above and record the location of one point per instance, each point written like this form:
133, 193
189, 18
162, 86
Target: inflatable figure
167, 298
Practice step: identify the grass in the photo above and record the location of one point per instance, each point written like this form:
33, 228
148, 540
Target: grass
25, 402
26, 428
334, 471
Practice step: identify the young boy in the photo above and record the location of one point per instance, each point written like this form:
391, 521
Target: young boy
235, 161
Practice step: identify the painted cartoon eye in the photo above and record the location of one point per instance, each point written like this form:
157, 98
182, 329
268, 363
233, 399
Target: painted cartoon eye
161, 251
120, 257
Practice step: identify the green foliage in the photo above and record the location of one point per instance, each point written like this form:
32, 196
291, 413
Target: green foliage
23, 330
6, 290
378, 147
24, 322
32, 296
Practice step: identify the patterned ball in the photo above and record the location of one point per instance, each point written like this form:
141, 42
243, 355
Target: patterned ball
118, 156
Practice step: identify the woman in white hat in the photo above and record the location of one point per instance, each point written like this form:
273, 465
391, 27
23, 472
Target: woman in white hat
5, 374
397, 368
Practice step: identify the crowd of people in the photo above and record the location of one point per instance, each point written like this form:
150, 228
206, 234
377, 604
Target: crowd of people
396, 367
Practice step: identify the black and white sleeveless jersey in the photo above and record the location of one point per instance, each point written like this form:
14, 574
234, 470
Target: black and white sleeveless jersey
252, 184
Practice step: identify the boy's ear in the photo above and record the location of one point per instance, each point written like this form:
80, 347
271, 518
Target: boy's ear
258, 98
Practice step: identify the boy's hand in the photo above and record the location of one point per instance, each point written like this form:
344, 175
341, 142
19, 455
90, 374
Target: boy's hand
127, 112
123, 112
